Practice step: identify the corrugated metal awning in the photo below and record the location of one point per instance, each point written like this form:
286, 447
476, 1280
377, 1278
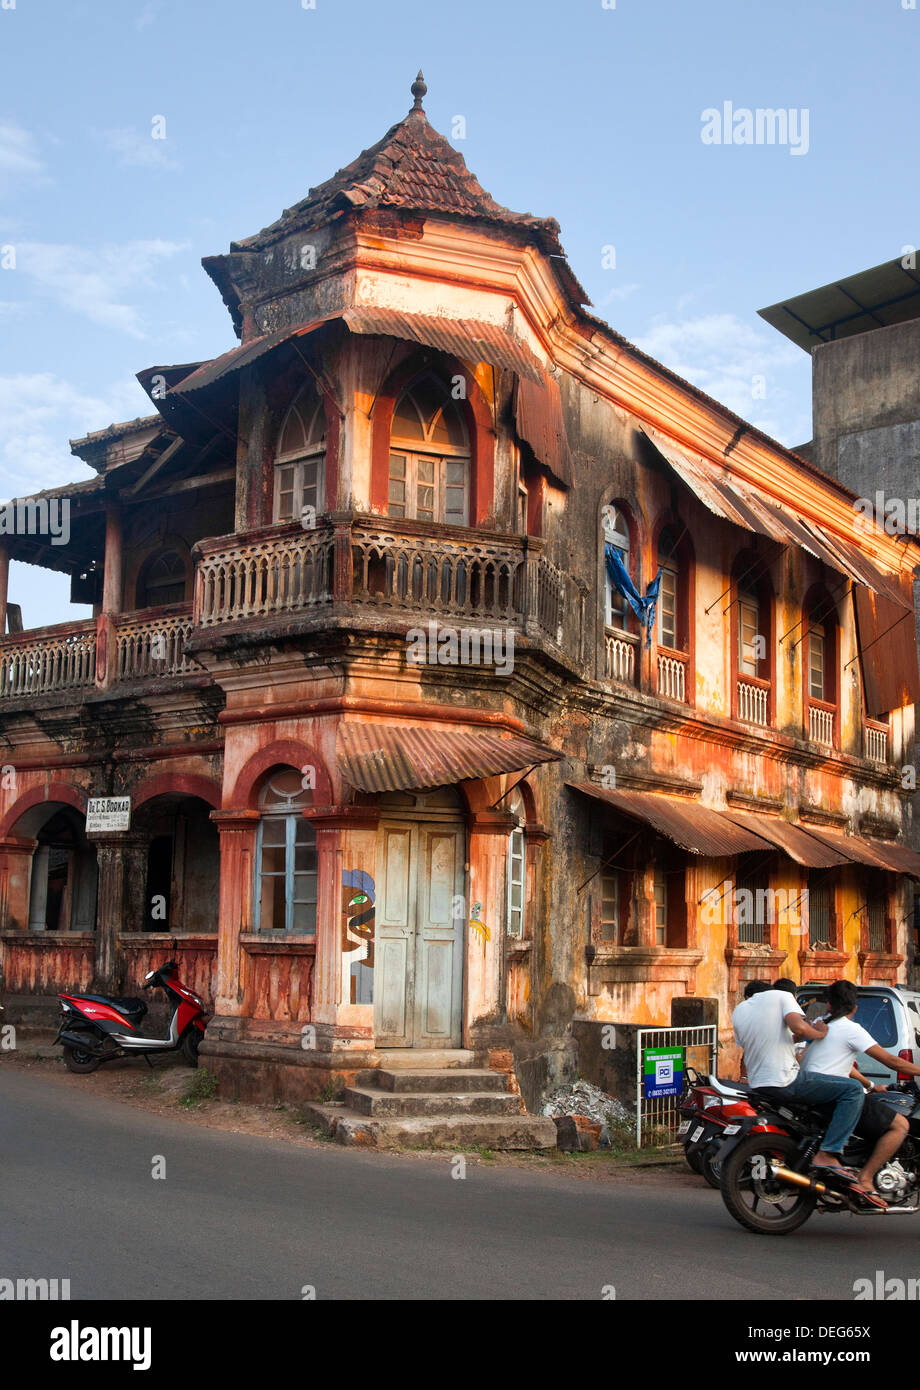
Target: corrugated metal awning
791, 839
875, 854
539, 421
727, 497
397, 757
887, 652
693, 827
469, 339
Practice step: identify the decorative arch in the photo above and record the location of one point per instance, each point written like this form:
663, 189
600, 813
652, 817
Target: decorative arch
477, 416
283, 752
178, 784
53, 792
148, 555
626, 526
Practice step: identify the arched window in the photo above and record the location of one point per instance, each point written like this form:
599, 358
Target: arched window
617, 612
671, 596
300, 462
286, 864
429, 473
820, 668
162, 580
517, 867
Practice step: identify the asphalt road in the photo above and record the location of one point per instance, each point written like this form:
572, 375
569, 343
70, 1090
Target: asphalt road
239, 1217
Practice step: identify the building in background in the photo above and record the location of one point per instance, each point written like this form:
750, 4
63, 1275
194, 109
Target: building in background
475, 680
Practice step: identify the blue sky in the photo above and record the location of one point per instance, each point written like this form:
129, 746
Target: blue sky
585, 113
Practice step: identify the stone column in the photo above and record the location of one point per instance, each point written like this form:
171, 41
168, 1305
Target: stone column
122, 865
237, 830
15, 882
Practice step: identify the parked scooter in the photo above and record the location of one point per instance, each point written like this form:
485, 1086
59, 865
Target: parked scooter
96, 1028
709, 1107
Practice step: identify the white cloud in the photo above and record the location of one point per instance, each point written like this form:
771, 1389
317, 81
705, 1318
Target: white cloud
622, 292
724, 356
19, 157
41, 412
96, 283
146, 17
137, 148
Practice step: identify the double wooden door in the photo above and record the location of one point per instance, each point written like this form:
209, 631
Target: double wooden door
420, 919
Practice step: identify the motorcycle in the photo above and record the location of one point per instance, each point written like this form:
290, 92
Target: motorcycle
709, 1107
766, 1183
96, 1028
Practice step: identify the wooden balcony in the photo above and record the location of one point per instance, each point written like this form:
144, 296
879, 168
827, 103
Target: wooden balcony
821, 719
48, 659
153, 644
876, 743
672, 676
448, 574
620, 656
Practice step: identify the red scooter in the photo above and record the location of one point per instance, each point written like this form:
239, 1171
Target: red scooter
96, 1028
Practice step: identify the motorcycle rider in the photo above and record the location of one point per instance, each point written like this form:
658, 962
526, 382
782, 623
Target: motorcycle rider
834, 1056
766, 1025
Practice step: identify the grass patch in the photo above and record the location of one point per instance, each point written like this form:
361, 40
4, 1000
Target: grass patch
201, 1087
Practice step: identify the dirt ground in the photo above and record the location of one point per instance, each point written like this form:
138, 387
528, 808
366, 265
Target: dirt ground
171, 1088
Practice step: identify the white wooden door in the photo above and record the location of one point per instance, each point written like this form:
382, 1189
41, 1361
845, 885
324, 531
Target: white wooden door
419, 941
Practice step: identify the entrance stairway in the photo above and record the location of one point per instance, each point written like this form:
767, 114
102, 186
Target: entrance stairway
408, 1105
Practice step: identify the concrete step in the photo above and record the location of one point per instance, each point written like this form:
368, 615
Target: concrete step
400, 1058
457, 1133
382, 1104
430, 1079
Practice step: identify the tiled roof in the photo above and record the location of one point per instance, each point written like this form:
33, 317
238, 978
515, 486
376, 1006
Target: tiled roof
413, 168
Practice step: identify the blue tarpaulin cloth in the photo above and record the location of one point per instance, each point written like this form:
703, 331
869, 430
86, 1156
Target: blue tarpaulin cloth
642, 605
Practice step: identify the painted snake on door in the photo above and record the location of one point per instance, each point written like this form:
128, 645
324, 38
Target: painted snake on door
358, 913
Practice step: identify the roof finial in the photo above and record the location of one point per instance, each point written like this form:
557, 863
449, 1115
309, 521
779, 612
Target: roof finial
419, 88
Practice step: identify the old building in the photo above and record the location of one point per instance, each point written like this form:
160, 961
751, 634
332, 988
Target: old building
407, 772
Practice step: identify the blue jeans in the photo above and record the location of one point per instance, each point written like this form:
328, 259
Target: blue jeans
843, 1092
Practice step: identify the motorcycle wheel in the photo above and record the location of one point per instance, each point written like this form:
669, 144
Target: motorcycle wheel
710, 1167
79, 1061
694, 1162
763, 1204
191, 1040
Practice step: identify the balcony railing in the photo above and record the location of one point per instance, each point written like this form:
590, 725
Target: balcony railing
400, 567
620, 657
821, 724
876, 745
154, 645
48, 659
754, 702
672, 677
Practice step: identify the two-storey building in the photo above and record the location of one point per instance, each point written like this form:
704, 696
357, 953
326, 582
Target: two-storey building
406, 769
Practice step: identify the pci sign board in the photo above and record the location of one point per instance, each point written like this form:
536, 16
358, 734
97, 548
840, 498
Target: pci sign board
104, 813
663, 1072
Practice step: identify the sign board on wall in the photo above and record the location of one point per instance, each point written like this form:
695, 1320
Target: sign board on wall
104, 813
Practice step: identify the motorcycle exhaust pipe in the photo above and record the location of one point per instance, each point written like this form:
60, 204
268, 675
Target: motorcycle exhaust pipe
81, 1041
796, 1179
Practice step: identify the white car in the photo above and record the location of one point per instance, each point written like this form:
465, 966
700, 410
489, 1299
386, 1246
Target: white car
891, 1013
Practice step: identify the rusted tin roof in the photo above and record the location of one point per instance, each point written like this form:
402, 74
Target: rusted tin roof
396, 757
693, 827
539, 421
888, 653
728, 498
875, 854
414, 168
791, 839
465, 338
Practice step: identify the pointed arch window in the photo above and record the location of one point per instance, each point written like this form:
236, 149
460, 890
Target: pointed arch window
820, 669
616, 533
429, 469
300, 460
162, 580
286, 860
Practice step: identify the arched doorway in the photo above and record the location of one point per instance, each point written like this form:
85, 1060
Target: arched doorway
181, 865
64, 879
420, 914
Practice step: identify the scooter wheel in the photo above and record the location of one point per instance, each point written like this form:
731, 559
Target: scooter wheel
189, 1046
80, 1062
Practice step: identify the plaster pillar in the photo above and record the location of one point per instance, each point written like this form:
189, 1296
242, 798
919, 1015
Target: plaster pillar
15, 882
485, 926
237, 830
342, 832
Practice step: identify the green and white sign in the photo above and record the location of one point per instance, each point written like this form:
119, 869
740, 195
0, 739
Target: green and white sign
663, 1072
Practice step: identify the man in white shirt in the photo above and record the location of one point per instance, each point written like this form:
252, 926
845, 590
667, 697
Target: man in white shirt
834, 1056
766, 1026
